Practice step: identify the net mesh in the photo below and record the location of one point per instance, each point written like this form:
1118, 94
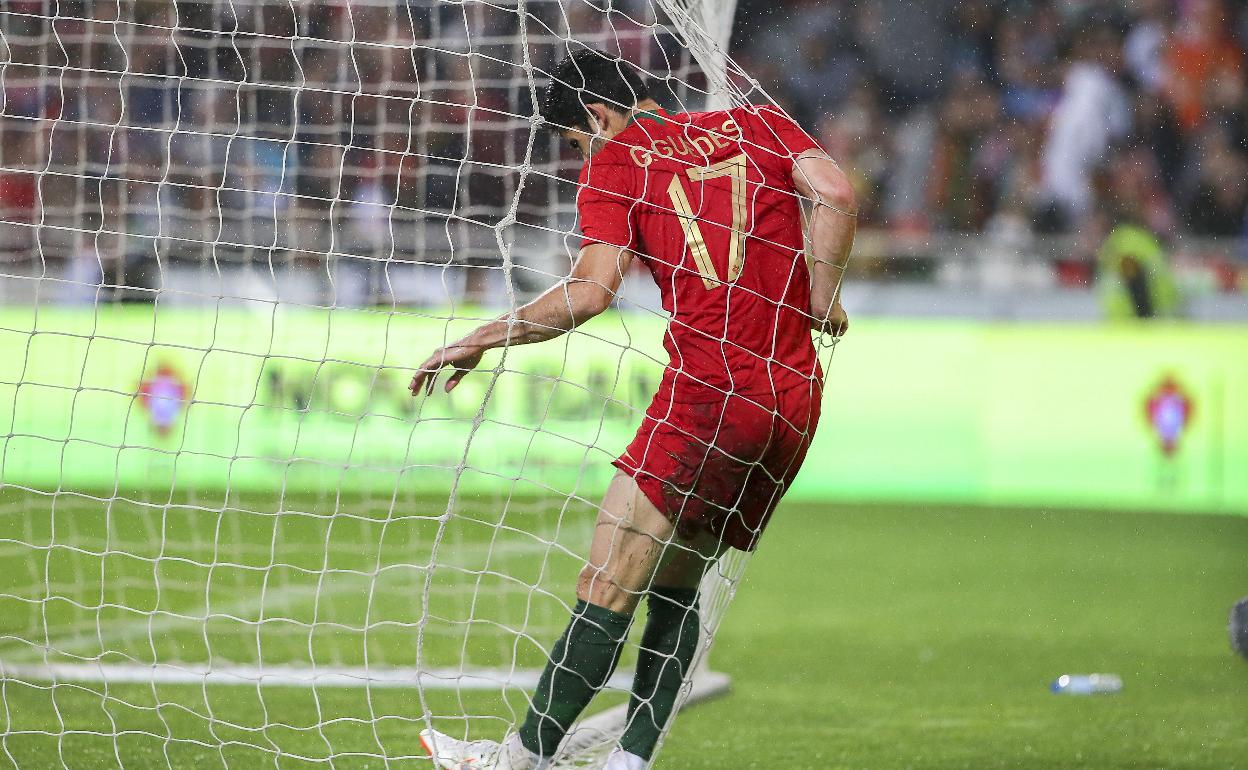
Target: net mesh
227, 535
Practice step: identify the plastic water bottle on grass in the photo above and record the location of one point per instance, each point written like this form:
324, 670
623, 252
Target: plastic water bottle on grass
1086, 684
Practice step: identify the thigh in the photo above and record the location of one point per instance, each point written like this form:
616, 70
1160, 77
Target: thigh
630, 537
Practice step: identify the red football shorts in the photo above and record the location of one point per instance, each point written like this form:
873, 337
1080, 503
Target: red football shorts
722, 467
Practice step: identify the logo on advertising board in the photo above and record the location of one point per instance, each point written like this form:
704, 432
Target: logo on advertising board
1169, 412
163, 395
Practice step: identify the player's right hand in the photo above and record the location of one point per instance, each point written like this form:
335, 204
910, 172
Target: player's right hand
459, 356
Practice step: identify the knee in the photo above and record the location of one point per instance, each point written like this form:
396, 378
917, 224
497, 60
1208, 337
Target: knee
595, 586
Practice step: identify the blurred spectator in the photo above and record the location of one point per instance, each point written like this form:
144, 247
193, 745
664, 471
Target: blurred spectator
957, 187
1226, 105
973, 36
1029, 89
1144, 48
1201, 51
18, 185
1157, 129
1134, 189
1219, 205
856, 136
1092, 115
1134, 277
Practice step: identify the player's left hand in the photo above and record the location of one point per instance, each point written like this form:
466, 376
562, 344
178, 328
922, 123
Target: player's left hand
836, 324
461, 357
838, 321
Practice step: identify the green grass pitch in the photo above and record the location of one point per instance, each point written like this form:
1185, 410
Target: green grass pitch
863, 637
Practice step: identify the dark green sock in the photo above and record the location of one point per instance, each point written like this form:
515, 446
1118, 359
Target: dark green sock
667, 649
580, 664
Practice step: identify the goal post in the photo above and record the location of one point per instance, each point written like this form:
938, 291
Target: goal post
227, 231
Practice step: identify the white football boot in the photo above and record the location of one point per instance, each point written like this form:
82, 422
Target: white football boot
453, 754
622, 760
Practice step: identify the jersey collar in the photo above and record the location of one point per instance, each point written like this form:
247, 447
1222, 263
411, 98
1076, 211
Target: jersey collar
660, 115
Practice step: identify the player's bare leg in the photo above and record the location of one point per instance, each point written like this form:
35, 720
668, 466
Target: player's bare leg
631, 540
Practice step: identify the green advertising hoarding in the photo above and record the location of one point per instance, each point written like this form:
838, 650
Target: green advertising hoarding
1132, 417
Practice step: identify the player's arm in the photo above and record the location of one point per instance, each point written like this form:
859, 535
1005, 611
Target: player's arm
586, 292
833, 224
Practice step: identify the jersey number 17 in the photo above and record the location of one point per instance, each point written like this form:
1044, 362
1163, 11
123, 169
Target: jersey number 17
734, 167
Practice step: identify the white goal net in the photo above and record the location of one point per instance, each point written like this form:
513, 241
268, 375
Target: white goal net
228, 230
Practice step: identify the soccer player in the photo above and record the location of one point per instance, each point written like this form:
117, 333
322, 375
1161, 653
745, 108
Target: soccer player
709, 203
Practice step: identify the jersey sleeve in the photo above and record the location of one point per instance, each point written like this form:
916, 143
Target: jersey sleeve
604, 204
788, 138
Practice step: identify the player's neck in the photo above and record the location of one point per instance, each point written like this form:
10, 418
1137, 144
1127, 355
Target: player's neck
646, 108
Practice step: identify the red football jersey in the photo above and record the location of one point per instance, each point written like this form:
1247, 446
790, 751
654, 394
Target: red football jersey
706, 200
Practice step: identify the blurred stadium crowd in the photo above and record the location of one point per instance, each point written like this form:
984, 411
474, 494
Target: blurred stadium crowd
348, 142
976, 114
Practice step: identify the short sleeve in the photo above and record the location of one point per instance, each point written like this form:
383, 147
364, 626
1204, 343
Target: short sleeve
604, 204
790, 139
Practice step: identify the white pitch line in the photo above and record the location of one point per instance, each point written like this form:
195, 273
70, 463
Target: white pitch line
284, 676
92, 639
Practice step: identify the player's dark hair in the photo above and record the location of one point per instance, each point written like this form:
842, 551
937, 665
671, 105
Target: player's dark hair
588, 76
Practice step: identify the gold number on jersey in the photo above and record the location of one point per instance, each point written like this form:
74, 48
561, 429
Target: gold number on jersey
734, 167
